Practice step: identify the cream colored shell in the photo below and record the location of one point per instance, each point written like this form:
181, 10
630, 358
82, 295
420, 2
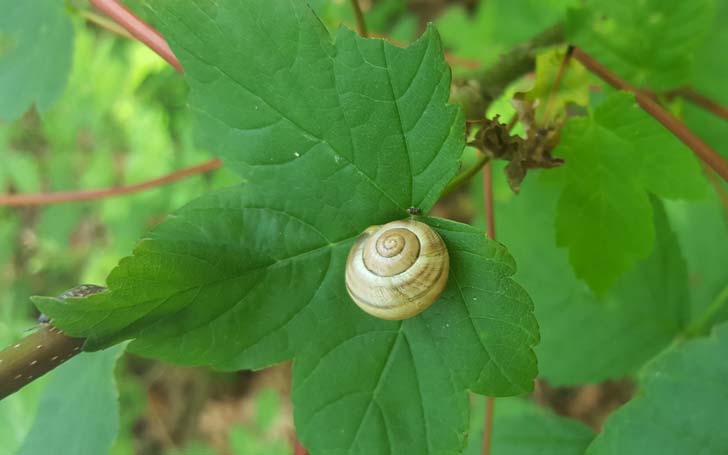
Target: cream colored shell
397, 270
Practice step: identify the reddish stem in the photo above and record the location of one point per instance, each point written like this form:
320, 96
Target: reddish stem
360, 22
490, 218
557, 82
139, 29
488, 196
702, 101
74, 196
719, 189
298, 449
697, 145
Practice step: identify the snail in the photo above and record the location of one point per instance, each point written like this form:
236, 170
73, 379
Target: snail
397, 270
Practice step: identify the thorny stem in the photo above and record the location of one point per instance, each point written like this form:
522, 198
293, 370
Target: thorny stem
361, 24
139, 29
34, 356
697, 145
74, 196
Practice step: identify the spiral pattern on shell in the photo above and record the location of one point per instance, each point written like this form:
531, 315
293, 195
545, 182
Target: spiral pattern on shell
397, 270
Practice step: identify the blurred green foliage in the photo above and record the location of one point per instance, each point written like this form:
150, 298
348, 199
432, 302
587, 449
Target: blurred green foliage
121, 119
497, 25
36, 46
115, 114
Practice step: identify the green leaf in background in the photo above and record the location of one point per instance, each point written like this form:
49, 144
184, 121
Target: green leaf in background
329, 139
521, 427
78, 412
702, 229
614, 158
36, 45
651, 43
17, 413
642, 314
681, 407
497, 25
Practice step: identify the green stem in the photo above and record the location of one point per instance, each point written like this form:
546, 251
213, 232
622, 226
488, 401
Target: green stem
465, 176
701, 325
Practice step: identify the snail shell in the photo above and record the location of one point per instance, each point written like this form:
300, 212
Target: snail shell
397, 270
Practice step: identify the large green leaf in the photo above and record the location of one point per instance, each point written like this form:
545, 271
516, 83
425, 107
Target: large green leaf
329, 139
36, 44
520, 427
651, 43
398, 387
78, 411
614, 158
618, 332
681, 405
205, 306
302, 117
